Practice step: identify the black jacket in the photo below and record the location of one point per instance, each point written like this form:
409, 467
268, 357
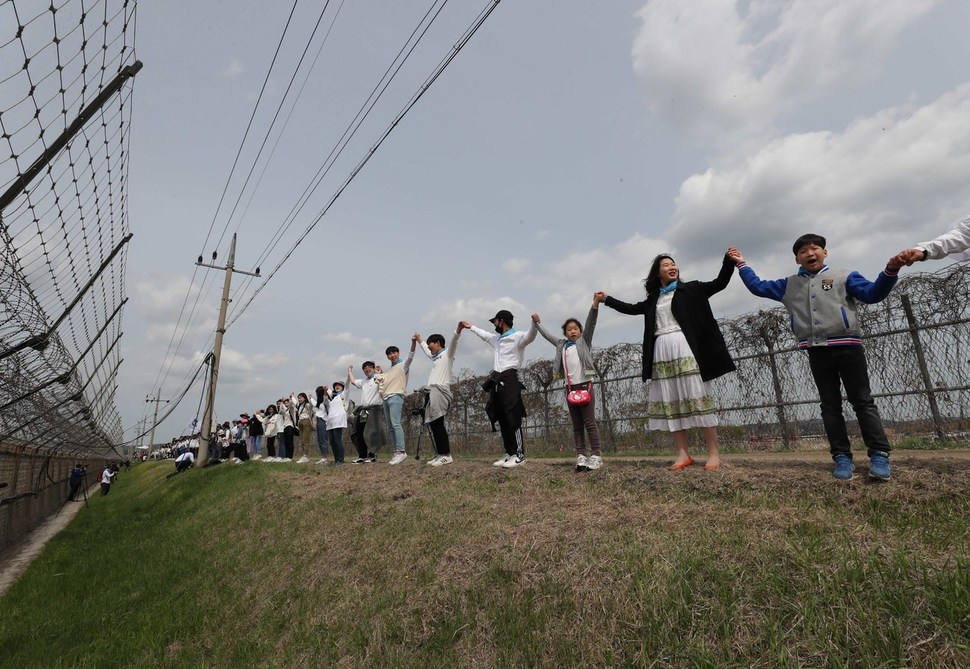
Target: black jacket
691, 308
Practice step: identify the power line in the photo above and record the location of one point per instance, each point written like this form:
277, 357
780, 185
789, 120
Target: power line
443, 64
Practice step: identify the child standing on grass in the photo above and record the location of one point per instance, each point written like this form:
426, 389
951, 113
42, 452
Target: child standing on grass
574, 361
822, 305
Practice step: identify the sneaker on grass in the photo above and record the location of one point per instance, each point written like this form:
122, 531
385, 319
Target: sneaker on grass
843, 467
501, 461
581, 465
441, 460
359, 461
322, 461
303, 460
879, 466
398, 458
514, 461
594, 462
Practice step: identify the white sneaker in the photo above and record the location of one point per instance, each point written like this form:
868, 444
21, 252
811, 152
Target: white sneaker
303, 460
501, 461
581, 463
594, 462
287, 460
322, 461
514, 461
398, 458
441, 460
257, 457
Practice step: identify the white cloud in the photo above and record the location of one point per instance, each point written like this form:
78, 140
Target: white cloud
722, 67
887, 181
515, 265
348, 338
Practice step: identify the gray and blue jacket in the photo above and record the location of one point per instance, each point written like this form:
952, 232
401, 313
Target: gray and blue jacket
822, 307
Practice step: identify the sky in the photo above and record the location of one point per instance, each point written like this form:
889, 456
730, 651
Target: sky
564, 147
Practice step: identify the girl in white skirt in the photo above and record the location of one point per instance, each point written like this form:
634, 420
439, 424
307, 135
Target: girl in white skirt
683, 351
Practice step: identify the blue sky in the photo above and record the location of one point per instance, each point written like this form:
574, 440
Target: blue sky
563, 148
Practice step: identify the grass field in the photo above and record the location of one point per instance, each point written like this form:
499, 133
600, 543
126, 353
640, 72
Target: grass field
766, 563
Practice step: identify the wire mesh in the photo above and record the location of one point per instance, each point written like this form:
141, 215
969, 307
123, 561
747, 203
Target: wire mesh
63, 228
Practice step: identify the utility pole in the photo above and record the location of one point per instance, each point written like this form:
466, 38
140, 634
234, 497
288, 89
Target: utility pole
217, 347
157, 400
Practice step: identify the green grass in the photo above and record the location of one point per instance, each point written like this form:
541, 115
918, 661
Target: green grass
757, 565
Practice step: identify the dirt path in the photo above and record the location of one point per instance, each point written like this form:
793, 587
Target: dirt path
15, 561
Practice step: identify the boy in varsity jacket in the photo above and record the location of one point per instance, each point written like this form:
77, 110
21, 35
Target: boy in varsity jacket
821, 303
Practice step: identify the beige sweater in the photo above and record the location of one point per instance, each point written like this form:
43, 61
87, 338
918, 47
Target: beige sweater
395, 380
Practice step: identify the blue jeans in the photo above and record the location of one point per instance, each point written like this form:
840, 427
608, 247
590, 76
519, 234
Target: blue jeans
323, 442
257, 442
835, 366
393, 406
337, 443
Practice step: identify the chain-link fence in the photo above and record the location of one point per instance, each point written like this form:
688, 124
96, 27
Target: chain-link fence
65, 113
917, 343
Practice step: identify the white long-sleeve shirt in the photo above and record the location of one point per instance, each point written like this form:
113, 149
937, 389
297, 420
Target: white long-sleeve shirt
369, 394
509, 347
955, 241
443, 363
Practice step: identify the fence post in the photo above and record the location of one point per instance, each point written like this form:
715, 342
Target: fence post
768, 332
921, 361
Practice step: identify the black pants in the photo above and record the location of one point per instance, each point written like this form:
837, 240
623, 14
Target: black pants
505, 407
286, 443
105, 487
271, 446
439, 435
832, 367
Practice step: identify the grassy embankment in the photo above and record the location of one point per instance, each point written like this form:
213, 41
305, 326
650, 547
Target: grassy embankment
762, 564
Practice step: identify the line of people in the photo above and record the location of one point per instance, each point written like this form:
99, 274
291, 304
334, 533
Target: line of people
683, 352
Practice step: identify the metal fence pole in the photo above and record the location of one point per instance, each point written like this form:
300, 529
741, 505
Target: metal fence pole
923, 370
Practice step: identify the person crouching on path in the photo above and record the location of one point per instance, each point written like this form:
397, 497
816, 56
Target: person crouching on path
439, 392
369, 420
574, 362
504, 405
392, 385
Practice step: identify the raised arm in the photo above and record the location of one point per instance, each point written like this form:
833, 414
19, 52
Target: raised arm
453, 346
723, 277
871, 292
773, 290
410, 358
639, 308
591, 322
487, 337
537, 321
531, 335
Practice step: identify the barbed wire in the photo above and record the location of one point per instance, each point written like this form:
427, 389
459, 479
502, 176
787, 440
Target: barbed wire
64, 219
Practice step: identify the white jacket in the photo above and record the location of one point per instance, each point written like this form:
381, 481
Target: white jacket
955, 241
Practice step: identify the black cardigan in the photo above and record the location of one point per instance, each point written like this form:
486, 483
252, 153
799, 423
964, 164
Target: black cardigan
692, 310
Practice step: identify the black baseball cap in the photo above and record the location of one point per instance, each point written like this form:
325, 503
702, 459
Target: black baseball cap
504, 315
